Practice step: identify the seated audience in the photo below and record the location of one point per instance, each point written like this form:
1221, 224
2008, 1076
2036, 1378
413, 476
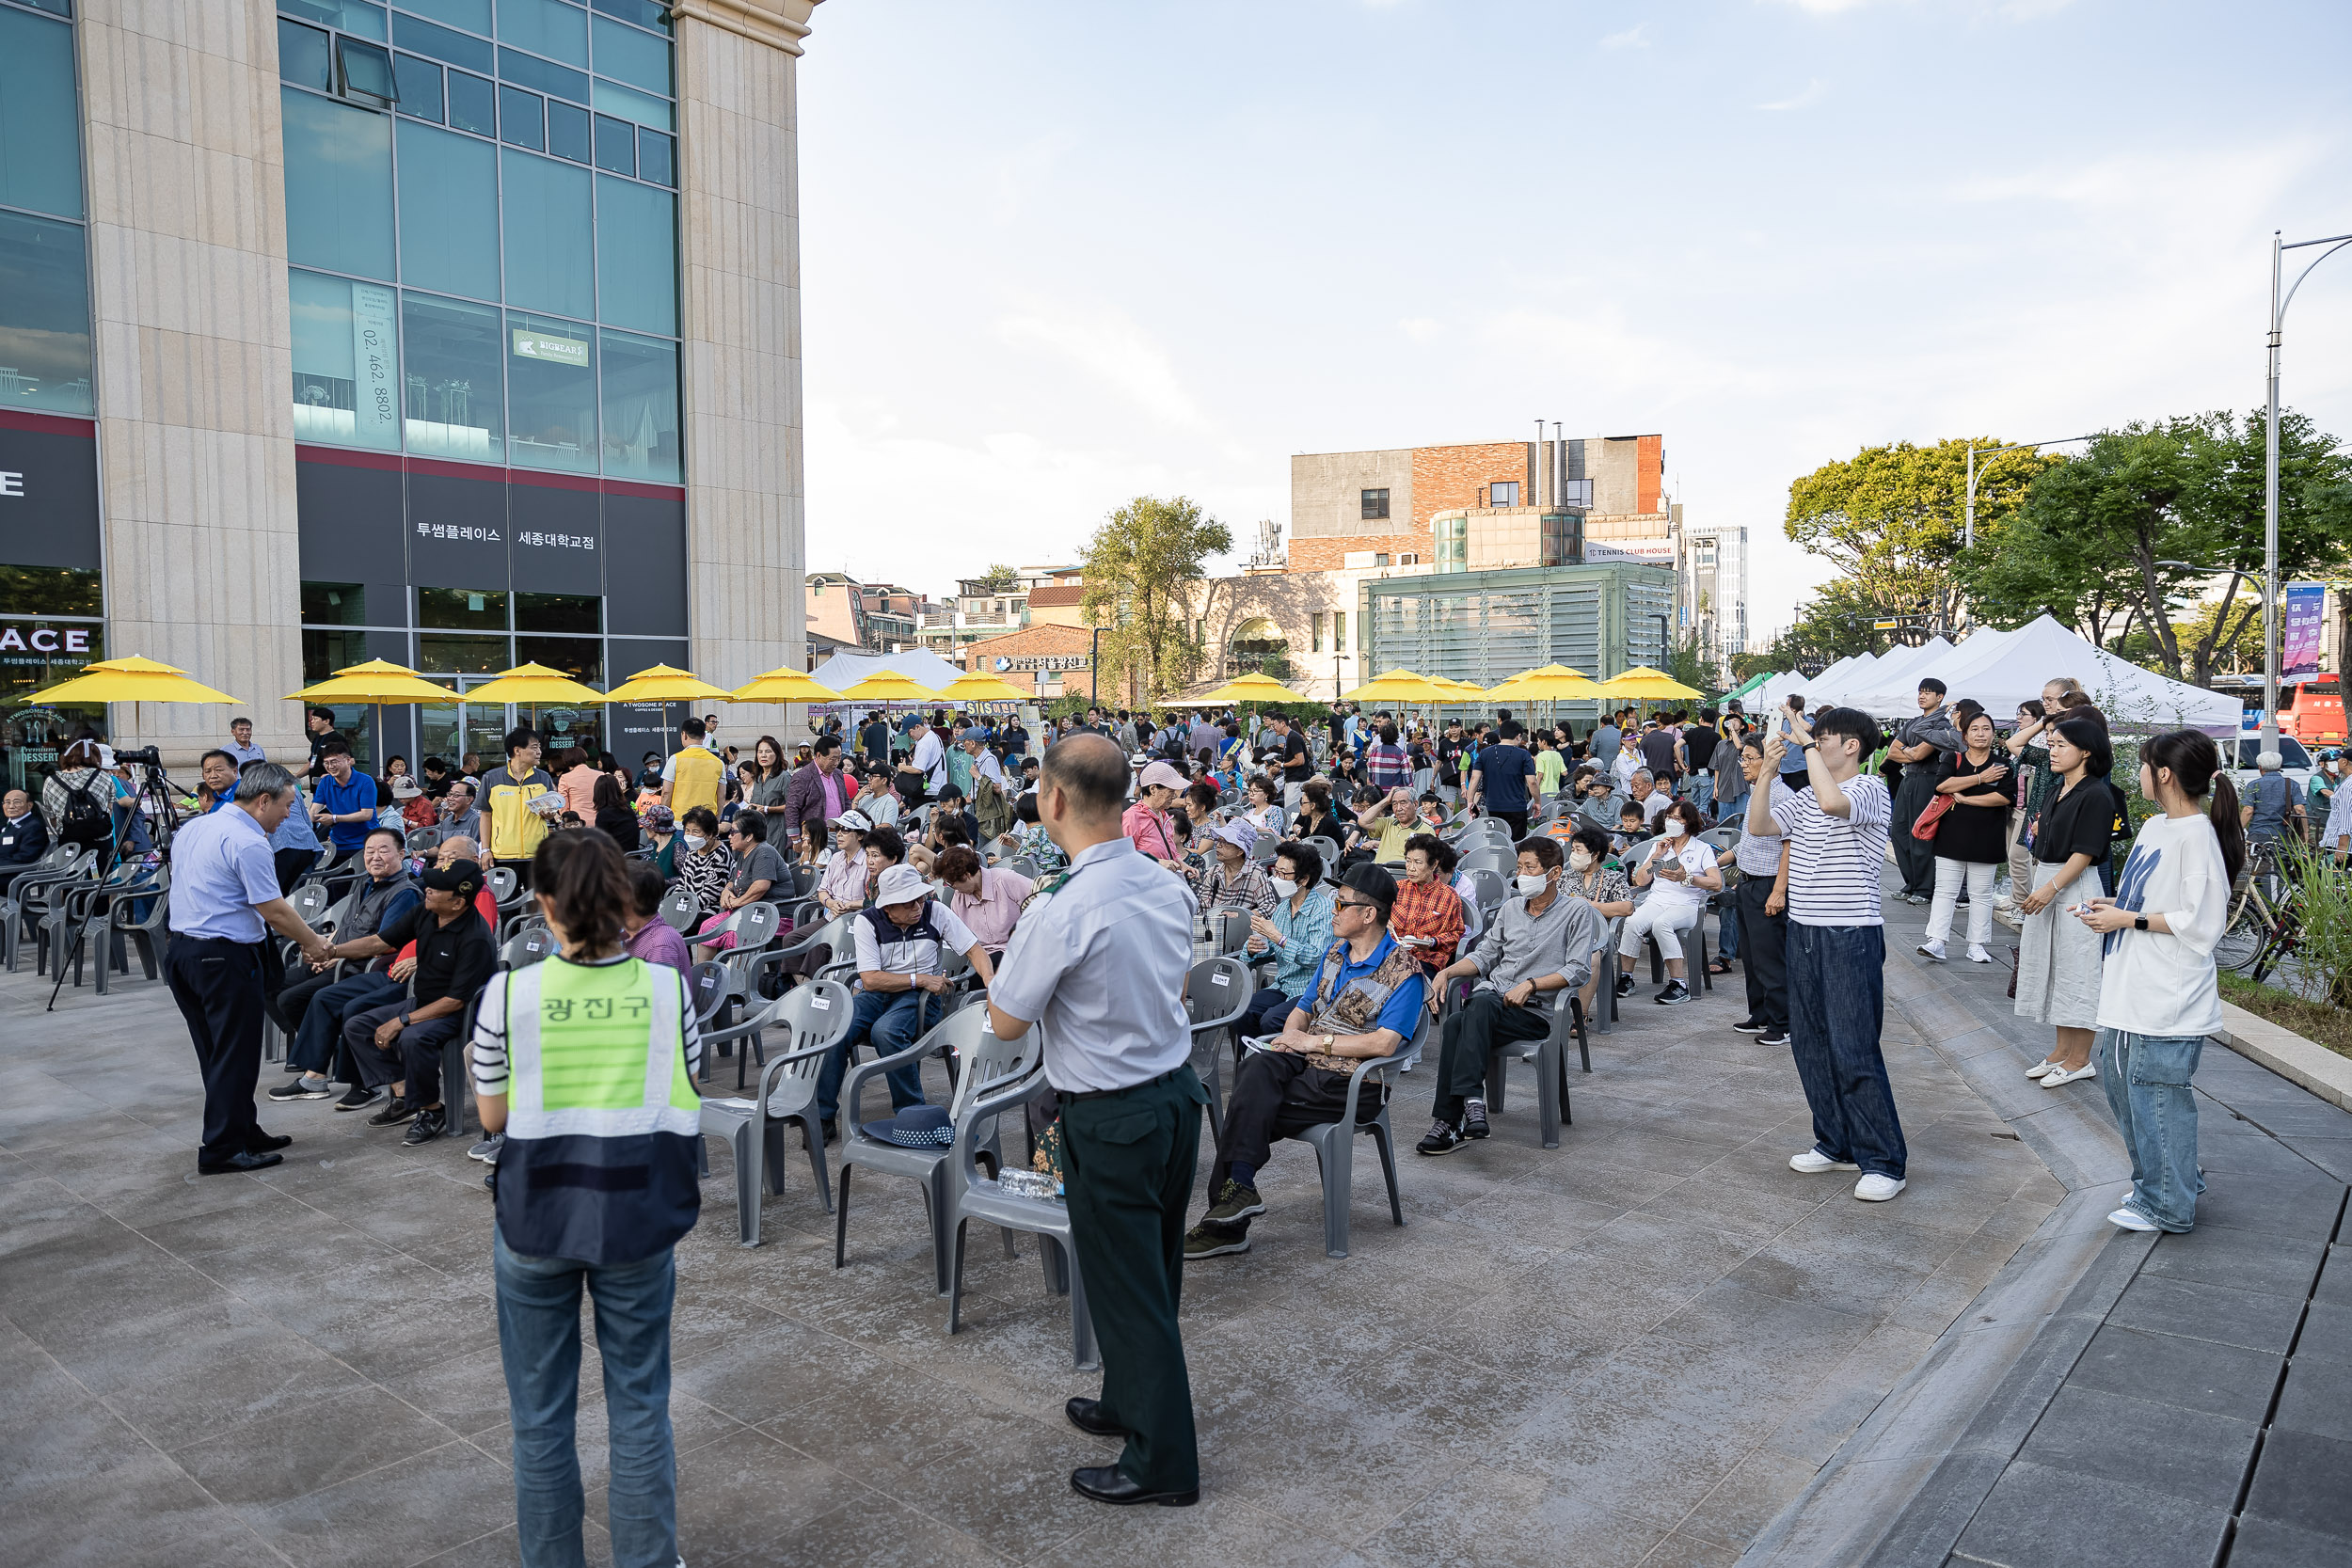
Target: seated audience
1591, 877
650, 937
1428, 916
986, 898
399, 1043
311, 1004
703, 861
1680, 868
758, 871
1297, 933
1233, 881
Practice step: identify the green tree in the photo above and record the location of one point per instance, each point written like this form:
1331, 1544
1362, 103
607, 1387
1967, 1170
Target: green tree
2088, 544
998, 578
1139, 568
1893, 518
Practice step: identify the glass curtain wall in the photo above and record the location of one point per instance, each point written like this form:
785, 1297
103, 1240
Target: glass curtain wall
44, 250
482, 216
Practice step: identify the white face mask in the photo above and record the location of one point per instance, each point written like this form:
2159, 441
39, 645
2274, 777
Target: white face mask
1534, 886
1284, 887
1580, 859
695, 842
1676, 827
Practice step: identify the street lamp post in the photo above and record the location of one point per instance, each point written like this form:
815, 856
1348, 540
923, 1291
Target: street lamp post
2270, 475
1094, 666
1968, 535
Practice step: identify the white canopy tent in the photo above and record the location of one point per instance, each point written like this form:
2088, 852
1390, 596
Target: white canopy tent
1899, 670
2003, 669
919, 665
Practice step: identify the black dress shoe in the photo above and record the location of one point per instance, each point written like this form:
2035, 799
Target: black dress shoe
242, 1160
1109, 1483
262, 1143
1087, 1415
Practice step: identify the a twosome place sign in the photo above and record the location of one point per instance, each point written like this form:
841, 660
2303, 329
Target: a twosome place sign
1041, 661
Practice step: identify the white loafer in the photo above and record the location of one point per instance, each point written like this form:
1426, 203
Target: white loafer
2052, 1079
2045, 1064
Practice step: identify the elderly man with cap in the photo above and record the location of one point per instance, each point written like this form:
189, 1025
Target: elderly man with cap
1147, 823
903, 944
1235, 881
1100, 958
1365, 1002
399, 1043
225, 900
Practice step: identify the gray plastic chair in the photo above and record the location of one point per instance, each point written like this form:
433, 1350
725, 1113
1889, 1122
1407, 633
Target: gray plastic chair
1024, 867
1551, 1055
966, 1033
423, 841
985, 1199
682, 909
530, 946
62, 863
813, 1018
1492, 890
1488, 857
109, 926
61, 907
502, 883
1330, 853
1228, 930
1217, 993
1334, 1142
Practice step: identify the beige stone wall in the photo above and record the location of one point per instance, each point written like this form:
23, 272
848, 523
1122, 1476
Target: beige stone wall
194, 357
1326, 494
741, 248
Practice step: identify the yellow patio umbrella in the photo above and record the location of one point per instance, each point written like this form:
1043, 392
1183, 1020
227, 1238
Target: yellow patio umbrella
1401, 685
1551, 683
378, 681
785, 684
666, 683
1253, 687
1645, 685
532, 685
888, 686
982, 686
130, 679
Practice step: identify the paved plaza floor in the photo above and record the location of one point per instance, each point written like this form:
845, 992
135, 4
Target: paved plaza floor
1642, 1346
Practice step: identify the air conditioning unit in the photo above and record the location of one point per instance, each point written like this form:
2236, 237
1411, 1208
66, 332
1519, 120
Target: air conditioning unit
1408, 558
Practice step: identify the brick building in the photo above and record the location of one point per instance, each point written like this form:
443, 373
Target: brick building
1043, 659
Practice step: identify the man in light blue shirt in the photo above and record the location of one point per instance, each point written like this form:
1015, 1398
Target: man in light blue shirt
224, 901
240, 747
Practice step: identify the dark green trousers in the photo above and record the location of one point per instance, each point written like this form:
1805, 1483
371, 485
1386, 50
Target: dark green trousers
1127, 1164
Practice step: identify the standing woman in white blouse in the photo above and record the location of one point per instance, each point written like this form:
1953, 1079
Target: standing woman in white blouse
2158, 997
1684, 872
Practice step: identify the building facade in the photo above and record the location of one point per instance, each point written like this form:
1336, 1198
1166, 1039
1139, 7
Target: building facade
448, 333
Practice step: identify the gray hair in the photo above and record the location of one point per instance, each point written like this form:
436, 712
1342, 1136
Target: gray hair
263, 781
1645, 774
2269, 761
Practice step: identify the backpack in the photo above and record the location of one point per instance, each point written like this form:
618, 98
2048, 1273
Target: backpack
989, 808
85, 822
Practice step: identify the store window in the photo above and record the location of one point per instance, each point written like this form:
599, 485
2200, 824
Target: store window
346, 362
552, 392
45, 315
339, 185
448, 213
456, 402
331, 604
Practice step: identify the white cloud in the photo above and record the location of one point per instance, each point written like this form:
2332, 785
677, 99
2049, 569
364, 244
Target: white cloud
1420, 328
1632, 38
1107, 346
1811, 95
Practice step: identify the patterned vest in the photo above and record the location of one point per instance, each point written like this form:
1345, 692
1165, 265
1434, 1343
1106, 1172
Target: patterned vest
1356, 1008
602, 1118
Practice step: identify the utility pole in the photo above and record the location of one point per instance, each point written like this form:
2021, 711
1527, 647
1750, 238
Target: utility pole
2270, 476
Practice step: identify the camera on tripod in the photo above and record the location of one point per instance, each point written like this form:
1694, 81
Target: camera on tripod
151, 755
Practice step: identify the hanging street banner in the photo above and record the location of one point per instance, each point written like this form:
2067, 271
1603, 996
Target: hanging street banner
2306, 617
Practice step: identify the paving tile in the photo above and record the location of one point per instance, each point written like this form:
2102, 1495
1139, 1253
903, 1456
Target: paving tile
1730, 1315
2281, 1205
2316, 1398
300, 1449
735, 1497
2163, 1369
1622, 1456
2042, 1518
2200, 1311
2330, 1154
400, 1514
2242, 1260
2335, 1280
1744, 1501
1495, 1520
1216, 1532
2189, 1454
2262, 1543
2299, 1481
207, 1377
2327, 1333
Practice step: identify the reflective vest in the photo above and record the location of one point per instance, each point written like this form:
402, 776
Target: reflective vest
601, 1114
695, 783
516, 830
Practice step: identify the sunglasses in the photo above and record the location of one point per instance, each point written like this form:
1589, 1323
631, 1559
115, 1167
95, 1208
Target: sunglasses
1357, 904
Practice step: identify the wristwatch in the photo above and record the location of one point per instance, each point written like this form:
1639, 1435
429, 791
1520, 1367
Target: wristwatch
2139, 923
1327, 1043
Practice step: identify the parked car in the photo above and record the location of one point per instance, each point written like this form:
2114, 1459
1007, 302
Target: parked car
2294, 761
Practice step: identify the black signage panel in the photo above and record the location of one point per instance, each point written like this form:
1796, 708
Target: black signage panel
456, 531
644, 572
557, 543
349, 521
48, 493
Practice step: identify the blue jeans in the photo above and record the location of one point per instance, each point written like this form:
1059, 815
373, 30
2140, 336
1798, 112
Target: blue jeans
539, 1344
1699, 788
1836, 1005
1735, 807
1727, 939
2147, 1077
887, 1019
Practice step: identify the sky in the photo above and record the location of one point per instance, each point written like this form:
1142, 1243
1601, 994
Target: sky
1061, 253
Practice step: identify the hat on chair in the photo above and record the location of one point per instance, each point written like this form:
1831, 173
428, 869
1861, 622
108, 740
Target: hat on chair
916, 1127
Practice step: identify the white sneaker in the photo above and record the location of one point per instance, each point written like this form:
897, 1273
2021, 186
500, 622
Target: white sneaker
2129, 1218
1875, 1188
1932, 949
2041, 1067
1976, 955
2129, 1192
2057, 1075
1813, 1162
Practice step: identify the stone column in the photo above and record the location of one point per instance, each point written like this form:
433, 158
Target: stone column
194, 358
740, 242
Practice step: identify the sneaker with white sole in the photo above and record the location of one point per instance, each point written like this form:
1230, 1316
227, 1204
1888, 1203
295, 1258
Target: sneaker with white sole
1774, 1037
1976, 955
1875, 1188
1931, 950
1674, 995
303, 1088
2129, 1218
1474, 1118
2057, 1076
487, 1149
1813, 1162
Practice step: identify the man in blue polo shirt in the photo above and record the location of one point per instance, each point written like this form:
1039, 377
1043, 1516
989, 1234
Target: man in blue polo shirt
1366, 1002
343, 802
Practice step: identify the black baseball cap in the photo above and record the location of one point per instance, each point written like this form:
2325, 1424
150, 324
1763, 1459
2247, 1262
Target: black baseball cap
460, 877
1373, 883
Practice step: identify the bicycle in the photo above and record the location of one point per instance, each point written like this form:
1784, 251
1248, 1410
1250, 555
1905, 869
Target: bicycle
2263, 928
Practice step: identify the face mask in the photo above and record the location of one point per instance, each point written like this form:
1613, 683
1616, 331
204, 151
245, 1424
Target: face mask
1676, 827
1534, 886
695, 842
1284, 887
1580, 859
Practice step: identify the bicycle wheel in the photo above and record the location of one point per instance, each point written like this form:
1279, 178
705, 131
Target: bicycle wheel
2243, 942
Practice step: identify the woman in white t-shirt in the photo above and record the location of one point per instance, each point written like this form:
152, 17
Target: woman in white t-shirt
2158, 995
1680, 873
